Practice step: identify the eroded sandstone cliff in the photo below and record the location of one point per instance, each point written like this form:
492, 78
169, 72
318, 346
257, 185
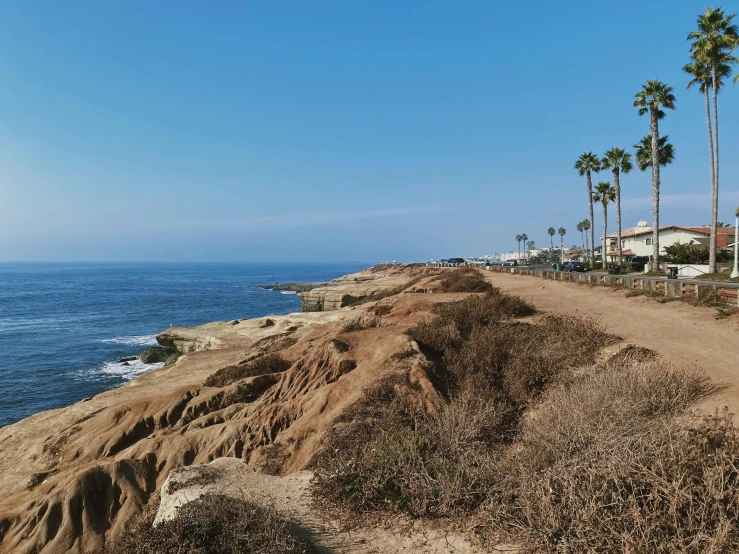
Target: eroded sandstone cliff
71, 478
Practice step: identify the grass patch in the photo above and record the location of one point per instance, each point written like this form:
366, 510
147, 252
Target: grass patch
214, 524
264, 365
466, 279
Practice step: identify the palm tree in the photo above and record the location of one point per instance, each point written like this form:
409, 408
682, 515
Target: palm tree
518, 240
561, 232
524, 238
654, 96
579, 228
586, 227
604, 193
618, 160
666, 152
715, 38
551, 233
586, 164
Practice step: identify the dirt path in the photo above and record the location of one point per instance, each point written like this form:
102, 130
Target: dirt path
681, 333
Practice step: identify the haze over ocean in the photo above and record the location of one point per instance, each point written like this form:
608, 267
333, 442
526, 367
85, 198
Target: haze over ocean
64, 326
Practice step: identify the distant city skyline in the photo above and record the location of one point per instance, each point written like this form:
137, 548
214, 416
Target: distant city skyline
325, 131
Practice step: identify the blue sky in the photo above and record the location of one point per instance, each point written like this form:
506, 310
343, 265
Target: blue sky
316, 130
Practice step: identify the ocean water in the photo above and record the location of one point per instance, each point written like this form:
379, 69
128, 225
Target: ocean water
63, 327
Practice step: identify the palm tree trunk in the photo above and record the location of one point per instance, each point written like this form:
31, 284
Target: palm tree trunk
582, 238
605, 230
654, 127
592, 219
714, 184
617, 186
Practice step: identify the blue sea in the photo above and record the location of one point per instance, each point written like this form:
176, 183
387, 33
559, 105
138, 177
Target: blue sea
63, 327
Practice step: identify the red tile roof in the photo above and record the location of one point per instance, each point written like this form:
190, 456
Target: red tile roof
637, 231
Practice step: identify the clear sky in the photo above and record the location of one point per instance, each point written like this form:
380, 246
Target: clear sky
341, 130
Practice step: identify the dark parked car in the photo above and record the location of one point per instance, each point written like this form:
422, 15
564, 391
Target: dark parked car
510, 263
574, 266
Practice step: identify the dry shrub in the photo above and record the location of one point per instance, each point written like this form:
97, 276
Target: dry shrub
215, 524
384, 309
606, 463
465, 279
455, 321
521, 359
706, 297
264, 365
411, 461
658, 295
340, 345
671, 487
610, 402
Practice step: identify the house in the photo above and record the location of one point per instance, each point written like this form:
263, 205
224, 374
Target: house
636, 242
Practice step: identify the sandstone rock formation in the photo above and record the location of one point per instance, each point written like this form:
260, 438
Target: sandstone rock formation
71, 478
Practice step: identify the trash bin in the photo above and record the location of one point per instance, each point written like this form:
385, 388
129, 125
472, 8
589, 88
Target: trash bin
672, 272
557, 266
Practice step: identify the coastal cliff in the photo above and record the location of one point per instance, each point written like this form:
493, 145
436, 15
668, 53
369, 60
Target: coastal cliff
71, 478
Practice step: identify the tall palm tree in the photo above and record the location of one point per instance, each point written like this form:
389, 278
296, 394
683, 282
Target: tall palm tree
579, 228
518, 240
524, 238
715, 38
551, 233
619, 161
702, 75
561, 232
586, 164
654, 96
586, 227
604, 194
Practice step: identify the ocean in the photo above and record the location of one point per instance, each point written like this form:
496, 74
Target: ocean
63, 327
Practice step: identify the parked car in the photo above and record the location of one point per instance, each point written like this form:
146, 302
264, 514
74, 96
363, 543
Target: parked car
574, 266
510, 263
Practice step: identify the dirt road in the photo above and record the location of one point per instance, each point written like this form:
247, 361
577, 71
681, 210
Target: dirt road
686, 335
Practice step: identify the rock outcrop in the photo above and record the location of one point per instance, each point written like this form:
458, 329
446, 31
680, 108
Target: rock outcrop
345, 290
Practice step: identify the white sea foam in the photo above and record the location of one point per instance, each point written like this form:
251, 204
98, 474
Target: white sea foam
288, 292
136, 340
127, 372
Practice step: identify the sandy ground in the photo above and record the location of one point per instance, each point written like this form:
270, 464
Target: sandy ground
686, 335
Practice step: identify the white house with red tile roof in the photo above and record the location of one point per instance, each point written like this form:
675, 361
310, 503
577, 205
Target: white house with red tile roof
637, 241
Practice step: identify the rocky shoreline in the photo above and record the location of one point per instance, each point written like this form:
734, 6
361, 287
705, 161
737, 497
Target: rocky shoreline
71, 478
